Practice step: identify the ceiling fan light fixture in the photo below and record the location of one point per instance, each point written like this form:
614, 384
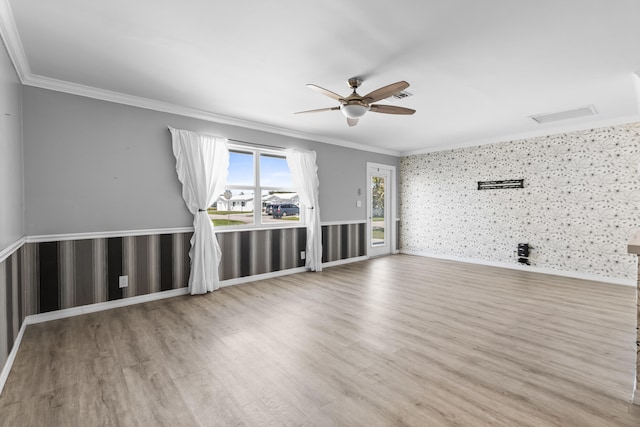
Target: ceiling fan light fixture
355, 106
354, 111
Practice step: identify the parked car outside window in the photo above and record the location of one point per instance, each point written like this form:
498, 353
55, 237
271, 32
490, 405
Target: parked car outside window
269, 209
286, 209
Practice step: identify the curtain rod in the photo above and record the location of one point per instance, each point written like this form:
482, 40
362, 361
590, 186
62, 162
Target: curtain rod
247, 142
255, 143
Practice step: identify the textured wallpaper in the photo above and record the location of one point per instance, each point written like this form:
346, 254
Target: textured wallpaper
578, 209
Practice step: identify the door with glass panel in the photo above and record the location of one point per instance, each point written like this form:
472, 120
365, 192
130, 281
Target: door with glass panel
379, 211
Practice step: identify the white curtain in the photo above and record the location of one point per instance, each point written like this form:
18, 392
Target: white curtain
202, 163
304, 173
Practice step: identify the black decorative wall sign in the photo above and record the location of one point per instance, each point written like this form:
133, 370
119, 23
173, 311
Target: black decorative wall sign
506, 183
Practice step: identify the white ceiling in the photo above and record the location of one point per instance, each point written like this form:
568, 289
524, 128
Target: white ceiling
477, 69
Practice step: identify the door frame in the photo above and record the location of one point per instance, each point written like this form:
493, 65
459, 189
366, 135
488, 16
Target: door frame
392, 224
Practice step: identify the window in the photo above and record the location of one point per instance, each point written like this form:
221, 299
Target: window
259, 191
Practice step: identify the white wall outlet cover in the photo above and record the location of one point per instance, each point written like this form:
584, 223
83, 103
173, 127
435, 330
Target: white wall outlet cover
303, 255
123, 281
358, 203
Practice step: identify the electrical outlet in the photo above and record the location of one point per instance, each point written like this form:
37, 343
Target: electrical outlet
303, 255
358, 203
123, 281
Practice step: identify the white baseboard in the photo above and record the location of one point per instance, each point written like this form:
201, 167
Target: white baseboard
247, 279
12, 357
263, 276
344, 261
534, 269
108, 305
101, 306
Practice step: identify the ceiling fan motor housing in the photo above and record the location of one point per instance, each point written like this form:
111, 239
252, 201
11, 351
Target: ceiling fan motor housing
354, 83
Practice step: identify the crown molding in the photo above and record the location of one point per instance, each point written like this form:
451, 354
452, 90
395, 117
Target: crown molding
547, 131
543, 130
165, 107
11, 37
12, 42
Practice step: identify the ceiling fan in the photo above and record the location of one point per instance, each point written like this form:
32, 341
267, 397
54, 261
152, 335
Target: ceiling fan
355, 106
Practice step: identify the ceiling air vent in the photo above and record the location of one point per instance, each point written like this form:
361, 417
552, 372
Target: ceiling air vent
589, 110
401, 95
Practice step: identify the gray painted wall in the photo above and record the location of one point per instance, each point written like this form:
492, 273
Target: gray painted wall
11, 165
93, 166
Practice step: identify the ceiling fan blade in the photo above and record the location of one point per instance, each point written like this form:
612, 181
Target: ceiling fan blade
318, 110
385, 92
326, 92
390, 109
352, 122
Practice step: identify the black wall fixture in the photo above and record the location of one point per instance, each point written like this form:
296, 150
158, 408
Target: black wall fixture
499, 185
523, 253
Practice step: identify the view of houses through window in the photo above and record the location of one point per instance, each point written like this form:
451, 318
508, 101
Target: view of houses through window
259, 191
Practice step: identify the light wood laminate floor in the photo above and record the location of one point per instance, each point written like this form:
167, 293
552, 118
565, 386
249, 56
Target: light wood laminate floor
393, 341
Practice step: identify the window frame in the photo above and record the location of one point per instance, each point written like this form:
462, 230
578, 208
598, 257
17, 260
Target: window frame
257, 189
